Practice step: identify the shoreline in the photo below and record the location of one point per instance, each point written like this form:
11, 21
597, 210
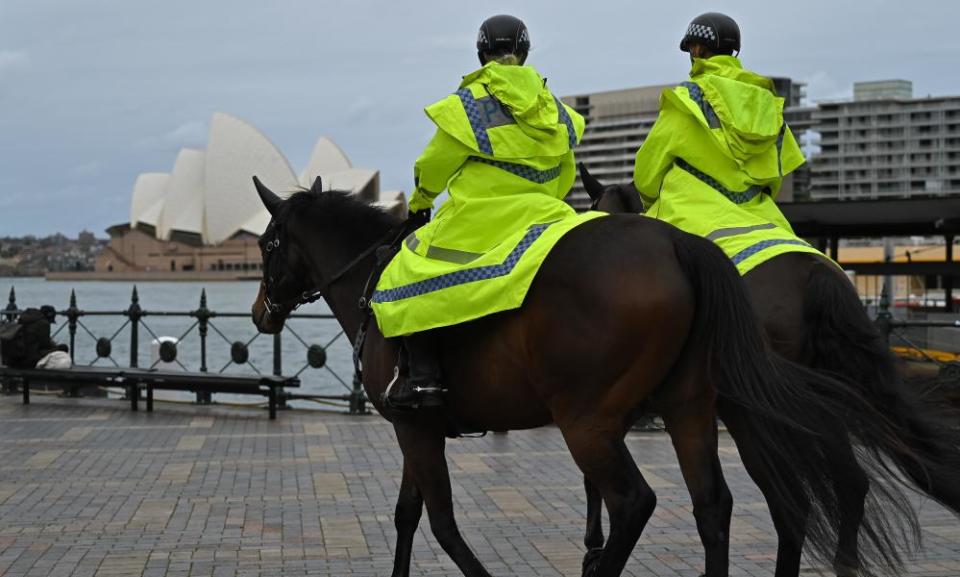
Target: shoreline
144, 276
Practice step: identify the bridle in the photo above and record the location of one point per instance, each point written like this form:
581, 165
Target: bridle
392, 237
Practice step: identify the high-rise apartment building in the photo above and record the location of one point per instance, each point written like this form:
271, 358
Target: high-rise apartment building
618, 121
886, 143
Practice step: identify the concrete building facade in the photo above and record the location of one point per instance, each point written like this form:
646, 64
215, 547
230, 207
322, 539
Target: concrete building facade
885, 143
619, 121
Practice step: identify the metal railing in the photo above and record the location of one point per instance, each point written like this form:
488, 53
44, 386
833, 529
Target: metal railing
204, 327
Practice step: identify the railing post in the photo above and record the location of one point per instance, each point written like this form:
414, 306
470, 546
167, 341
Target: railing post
278, 369
358, 399
73, 316
134, 313
11, 304
884, 321
203, 319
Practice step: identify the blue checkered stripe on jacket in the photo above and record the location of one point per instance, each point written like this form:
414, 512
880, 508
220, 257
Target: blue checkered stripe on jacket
734, 197
696, 94
522, 170
565, 118
476, 120
763, 245
484, 113
462, 276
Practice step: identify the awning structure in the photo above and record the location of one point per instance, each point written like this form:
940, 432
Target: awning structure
875, 218
827, 222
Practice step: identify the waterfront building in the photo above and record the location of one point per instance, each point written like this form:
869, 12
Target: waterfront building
887, 143
205, 216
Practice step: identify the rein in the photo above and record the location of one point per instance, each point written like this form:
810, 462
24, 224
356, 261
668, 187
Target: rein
396, 234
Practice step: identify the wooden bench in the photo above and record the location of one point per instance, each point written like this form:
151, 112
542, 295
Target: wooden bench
135, 380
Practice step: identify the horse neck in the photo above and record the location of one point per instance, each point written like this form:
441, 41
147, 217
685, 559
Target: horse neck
343, 298
343, 295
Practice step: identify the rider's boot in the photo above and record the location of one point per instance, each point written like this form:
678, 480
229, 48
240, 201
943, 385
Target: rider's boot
421, 387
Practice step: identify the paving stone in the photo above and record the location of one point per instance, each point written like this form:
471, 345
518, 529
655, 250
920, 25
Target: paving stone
88, 489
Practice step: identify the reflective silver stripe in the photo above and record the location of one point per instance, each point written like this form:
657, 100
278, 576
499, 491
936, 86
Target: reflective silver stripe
440, 253
412, 241
738, 230
452, 255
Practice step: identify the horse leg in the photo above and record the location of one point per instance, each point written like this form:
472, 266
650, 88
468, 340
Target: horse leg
406, 520
422, 443
594, 536
604, 459
694, 435
790, 530
851, 486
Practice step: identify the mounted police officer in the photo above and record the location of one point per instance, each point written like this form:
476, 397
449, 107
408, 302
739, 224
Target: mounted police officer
715, 159
503, 149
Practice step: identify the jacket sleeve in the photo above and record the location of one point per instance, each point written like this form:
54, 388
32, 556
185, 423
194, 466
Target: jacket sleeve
655, 158
440, 160
568, 173
791, 158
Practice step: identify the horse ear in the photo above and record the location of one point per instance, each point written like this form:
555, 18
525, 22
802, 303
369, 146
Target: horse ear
317, 187
267, 196
593, 186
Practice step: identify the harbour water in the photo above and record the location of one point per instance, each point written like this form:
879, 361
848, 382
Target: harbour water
222, 297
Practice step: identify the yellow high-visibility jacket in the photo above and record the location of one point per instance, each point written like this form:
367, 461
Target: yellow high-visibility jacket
504, 150
715, 159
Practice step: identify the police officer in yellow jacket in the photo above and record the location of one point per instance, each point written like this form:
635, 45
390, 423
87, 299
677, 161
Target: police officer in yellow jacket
504, 150
715, 159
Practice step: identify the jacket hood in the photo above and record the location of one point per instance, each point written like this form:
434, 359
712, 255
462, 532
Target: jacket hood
524, 92
749, 110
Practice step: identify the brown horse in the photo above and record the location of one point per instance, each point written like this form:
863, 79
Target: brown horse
622, 310
813, 316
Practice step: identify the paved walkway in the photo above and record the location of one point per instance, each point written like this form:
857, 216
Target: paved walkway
89, 488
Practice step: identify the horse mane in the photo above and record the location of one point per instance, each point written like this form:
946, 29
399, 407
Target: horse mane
339, 209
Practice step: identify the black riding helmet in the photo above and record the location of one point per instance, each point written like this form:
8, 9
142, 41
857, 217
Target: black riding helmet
716, 31
503, 34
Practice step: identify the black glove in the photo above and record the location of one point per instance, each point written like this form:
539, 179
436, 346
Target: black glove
417, 219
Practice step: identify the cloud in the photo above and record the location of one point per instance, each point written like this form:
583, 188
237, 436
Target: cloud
823, 86
192, 134
13, 60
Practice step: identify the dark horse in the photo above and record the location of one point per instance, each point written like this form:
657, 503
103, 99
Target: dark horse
623, 309
812, 315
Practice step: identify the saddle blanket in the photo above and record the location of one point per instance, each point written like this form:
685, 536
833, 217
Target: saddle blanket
422, 290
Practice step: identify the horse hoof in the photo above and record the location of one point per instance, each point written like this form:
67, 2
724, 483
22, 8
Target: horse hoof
591, 561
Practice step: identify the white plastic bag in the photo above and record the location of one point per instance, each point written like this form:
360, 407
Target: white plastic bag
55, 360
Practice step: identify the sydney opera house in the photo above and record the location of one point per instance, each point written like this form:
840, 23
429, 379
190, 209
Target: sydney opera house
203, 217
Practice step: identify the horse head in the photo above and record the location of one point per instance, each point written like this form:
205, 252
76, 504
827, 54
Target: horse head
319, 244
613, 198
286, 277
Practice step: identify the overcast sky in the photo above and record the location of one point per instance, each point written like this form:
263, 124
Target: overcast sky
94, 92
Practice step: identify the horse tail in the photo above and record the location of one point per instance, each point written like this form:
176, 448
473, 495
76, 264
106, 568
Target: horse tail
791, 414
842, 340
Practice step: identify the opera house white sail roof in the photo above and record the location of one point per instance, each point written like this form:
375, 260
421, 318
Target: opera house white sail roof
149, 192
209, 193
183, 202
